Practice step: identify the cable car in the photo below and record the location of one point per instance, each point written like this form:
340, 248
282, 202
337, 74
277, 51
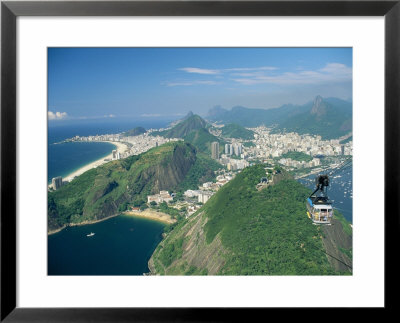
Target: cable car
319, 207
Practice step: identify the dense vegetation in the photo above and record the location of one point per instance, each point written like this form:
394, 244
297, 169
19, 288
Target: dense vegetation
267, 231
183, 128
193, 129
108, 189
201, 172
297, 155
243, 231
234, 130
202, 140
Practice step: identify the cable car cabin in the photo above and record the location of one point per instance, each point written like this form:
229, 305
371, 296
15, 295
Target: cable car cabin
319, 209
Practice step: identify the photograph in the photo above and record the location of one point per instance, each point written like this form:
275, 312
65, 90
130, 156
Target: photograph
201, 161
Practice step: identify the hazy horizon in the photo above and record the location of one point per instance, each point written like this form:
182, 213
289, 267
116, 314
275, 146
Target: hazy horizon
89, 84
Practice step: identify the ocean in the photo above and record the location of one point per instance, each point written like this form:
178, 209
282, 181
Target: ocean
121, 245
65, 158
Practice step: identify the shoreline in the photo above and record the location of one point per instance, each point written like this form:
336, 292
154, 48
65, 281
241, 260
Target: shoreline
151, 215
80, 224
120, 146
146, 214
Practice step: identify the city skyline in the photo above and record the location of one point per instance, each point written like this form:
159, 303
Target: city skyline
123, 83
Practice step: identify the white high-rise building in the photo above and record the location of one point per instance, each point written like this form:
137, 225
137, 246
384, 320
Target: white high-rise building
215, 150
57, 182
227, 149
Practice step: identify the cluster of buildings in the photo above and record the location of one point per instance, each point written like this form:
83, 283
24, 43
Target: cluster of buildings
269, 145
138, 144
142, 143
164, 196
234, 149
233, 164
110, 137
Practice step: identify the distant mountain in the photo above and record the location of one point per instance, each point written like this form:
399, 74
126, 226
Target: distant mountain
183, 128
174, 123
329, 117
192, 129
134, 132
254, 117
245, 231
233, 130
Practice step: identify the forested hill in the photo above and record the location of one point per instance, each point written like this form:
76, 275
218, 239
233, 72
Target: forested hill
108, 189
193, 129
244, 231
183, 128
233, 130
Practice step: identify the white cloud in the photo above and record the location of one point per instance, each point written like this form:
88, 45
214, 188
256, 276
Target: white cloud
56, 116
249, 69
199, 70
330, 73
190, 83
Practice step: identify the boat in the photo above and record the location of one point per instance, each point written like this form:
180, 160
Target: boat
91, 234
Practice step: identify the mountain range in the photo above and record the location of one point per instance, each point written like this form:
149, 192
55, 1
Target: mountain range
328, 117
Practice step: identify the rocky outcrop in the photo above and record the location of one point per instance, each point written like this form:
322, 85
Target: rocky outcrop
337, 242
106, 191
196, 254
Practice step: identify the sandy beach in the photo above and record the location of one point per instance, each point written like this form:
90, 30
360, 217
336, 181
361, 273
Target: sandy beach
151, 214
121, 147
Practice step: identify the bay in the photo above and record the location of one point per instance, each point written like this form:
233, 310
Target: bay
121, 245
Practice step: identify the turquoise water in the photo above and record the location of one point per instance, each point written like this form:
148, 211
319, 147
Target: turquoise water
121, 246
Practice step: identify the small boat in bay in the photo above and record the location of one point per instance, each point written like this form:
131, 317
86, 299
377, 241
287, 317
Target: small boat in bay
91, 234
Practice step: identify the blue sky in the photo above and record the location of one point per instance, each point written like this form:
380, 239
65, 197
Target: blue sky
128, 83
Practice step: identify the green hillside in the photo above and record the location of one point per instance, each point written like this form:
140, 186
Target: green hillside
243, 231
134, 132
297, 155
202, 140
329, 118
183, 128
108, 189
233, 130
193, 129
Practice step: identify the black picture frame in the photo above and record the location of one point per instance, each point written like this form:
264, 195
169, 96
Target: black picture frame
11, 10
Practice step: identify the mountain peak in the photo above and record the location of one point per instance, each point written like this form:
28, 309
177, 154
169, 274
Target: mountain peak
319, 106
216, 111
190, 114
